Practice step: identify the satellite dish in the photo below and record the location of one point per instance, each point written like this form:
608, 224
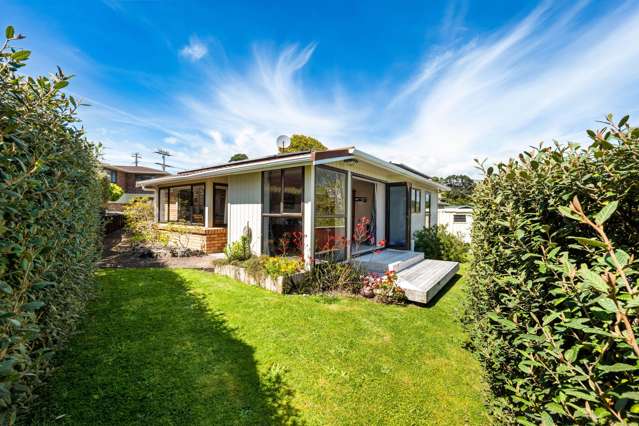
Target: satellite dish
283, 142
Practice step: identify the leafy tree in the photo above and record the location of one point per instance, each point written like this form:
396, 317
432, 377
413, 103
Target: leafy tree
304, 143
461, 188
238, 157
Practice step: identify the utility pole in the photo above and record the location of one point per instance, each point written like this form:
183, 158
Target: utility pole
164, 153
136, 156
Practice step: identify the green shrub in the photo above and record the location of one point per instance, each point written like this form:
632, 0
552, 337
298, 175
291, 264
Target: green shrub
238, 250
277, 266
139, 224
553, 300
438, 243
50, 230
330, 275
115, 192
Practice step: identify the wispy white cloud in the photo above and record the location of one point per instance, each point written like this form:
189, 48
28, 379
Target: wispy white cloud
195, 50
549, 75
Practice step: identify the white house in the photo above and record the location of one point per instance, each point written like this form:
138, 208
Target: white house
303, 202
458, 220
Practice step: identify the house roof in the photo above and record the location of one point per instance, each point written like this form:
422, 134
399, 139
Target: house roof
135, 169
289, 160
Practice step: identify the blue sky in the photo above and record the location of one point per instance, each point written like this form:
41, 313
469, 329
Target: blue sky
430, 84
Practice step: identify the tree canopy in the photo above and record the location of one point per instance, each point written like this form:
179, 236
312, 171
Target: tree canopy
461, 188
304, 143
238, 157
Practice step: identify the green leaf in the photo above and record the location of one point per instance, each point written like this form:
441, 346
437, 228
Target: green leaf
21, 55
631, 395
519, 234
503, 321
5, 288
582, 395
32, 306
546, 419
9, 32
571, 354
61, 84
565, 211
617, 367
556, 408
623, 121
43, 284
605, 213
591, 242
593, 280
607, 304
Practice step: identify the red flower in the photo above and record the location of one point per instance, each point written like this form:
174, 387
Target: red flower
382, 243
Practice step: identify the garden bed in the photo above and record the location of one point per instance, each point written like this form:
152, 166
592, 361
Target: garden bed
278, 284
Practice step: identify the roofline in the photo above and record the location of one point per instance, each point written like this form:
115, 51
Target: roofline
290, 160
233, 169
397, 169
119, 168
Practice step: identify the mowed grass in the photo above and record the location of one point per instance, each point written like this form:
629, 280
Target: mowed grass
162, 346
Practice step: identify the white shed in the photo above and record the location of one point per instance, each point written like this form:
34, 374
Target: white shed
458, 220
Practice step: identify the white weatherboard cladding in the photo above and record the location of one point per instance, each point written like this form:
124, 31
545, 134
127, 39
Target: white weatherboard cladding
245, 207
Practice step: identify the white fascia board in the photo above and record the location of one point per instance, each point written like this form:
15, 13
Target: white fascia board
396, 169
230, 170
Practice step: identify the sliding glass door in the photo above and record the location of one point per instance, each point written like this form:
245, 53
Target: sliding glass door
398, 216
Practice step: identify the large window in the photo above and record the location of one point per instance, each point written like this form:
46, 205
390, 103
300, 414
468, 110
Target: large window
330, 213
113, 175
182, 204
416, 200
282, 197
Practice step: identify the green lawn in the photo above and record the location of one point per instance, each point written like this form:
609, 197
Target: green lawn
164, 346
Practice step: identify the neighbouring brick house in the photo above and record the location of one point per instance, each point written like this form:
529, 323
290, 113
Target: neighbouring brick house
126, 178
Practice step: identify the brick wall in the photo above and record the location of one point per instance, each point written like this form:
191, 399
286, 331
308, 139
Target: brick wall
209, 240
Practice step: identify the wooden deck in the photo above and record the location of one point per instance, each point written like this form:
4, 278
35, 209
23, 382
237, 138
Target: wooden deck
422, 281
420, 278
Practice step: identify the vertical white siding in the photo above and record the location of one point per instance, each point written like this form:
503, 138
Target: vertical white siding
245, 207
434, 204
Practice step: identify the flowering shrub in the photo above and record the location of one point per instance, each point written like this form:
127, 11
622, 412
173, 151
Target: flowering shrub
383, 287
276, 266
239, 250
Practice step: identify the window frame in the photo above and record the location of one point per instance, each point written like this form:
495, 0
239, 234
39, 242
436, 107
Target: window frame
347, 188
415, 200
113, 175
168, 196
281, 213
459, 215
226, 189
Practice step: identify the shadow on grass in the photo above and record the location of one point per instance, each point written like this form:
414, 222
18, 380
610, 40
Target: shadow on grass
445, 289
150, 352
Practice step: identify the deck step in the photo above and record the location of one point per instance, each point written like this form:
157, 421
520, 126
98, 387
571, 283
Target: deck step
423, 280
389, 260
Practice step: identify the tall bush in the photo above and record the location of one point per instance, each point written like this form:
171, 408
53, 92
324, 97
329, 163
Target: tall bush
553, 304
50, 196
438, 243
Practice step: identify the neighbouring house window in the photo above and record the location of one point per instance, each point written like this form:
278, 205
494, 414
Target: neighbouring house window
416, 200
426, 209
113, 175
219, 205
282, 225
139, 178
330, 213
459, 218
183, 204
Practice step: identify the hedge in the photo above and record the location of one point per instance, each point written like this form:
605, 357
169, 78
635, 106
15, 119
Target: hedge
50, 228
553, 302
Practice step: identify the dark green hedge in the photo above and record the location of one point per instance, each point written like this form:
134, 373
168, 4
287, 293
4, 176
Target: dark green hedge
50, 227
553, 300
